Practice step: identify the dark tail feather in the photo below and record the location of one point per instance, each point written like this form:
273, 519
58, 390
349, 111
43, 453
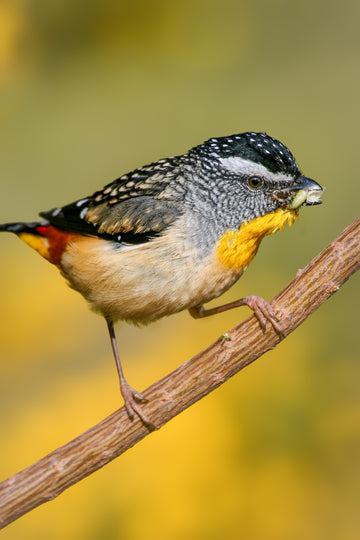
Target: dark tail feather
18, 228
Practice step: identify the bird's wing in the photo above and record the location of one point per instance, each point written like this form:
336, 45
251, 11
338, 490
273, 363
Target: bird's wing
132, 209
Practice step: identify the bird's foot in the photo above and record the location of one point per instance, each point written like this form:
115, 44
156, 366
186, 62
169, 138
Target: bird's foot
132, 400
264, 312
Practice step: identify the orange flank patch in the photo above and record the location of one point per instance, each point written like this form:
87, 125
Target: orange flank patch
236, 249
50, 242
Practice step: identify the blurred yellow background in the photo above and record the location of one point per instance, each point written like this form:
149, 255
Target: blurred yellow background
89, 91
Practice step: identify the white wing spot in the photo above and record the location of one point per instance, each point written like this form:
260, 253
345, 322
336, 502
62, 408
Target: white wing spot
81, 202
83, 212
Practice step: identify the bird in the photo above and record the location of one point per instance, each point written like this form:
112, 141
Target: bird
174, 234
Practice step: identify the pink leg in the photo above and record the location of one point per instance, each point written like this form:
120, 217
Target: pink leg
261, 308
132, 398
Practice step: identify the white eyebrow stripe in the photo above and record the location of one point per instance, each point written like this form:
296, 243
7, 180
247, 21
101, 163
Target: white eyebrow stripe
238, 165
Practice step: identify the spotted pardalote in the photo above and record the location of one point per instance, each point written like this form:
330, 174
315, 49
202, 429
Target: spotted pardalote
174, 234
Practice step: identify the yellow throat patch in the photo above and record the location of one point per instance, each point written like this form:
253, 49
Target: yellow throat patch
236, 249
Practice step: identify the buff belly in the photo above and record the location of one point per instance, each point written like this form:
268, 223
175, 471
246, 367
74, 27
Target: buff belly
143, 283
168, 274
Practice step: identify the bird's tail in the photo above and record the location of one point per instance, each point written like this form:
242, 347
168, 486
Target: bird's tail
41, 236
36, 227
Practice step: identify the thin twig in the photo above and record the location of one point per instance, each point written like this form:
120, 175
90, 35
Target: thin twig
67, 465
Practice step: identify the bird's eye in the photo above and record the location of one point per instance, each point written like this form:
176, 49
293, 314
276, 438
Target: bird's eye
255, 182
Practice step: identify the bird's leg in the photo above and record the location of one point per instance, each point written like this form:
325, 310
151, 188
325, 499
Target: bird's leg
132, 398
261, 308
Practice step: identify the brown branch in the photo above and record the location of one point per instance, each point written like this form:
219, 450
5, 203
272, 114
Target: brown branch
47, 478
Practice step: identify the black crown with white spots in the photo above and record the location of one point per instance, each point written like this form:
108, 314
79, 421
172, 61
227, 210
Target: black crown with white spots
257, 147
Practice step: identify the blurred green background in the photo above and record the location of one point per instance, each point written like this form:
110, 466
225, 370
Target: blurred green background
90, 90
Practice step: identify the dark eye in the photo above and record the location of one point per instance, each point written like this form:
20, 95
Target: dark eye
255, 182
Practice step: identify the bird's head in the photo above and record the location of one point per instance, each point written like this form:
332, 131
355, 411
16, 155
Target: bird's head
245, 187
255, 174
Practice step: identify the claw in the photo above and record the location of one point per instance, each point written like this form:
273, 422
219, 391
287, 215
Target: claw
139, 397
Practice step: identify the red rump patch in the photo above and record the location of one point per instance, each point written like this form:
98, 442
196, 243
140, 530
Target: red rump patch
58, 241
42, 229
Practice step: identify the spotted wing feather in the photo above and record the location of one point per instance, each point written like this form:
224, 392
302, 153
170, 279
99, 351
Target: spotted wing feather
131, 209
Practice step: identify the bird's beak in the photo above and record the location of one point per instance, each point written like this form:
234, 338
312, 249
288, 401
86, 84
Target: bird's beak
307, 192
